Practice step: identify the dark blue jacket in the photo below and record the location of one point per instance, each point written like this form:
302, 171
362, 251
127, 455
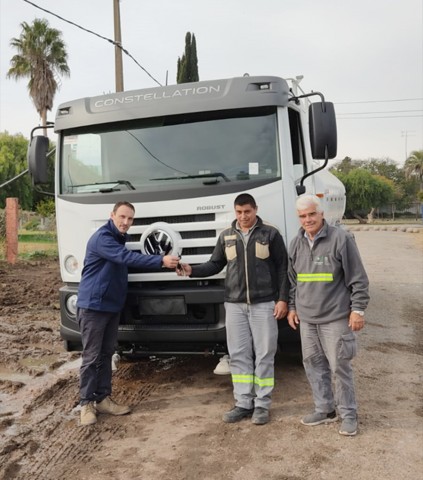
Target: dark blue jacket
104, 281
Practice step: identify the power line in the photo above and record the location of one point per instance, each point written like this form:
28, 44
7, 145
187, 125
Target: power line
14, 178
372, 113
116, 44
381, 101
387, 116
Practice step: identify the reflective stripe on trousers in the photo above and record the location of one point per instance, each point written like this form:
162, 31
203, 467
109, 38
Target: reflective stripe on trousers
252, 335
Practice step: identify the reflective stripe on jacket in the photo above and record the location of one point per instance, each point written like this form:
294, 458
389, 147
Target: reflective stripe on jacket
328, 280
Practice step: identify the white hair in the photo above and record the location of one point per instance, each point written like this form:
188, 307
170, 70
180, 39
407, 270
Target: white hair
307, 200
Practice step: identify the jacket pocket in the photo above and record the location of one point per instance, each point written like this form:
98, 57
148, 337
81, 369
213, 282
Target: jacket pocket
262, 250
348, 348
230, 250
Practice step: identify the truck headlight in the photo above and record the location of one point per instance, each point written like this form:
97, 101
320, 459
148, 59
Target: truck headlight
71, 305
71, 264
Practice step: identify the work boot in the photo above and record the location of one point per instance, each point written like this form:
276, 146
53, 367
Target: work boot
112, 408
237, 414
260, 416
88, 414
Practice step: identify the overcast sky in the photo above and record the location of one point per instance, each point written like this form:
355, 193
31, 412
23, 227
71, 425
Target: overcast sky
364, 55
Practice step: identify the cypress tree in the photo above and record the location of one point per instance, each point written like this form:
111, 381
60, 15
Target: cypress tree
194, 61
187, 67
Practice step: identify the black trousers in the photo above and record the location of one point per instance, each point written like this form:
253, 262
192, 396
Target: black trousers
99, 339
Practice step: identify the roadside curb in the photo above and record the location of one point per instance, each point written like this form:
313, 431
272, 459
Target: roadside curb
382, 228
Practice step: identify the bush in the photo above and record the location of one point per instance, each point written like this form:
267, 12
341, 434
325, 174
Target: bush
32, 224
46, 208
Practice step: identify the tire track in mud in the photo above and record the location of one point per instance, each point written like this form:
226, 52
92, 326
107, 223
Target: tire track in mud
46, 441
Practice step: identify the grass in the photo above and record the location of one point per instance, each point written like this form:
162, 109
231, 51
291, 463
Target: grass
37, 238
34, 245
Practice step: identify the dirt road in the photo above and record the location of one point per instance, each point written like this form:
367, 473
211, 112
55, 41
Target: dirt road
175, 431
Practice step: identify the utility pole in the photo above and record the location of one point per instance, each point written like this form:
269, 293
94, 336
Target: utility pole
406, 134
118, 51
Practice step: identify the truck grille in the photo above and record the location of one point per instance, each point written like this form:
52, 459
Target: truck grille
186, 234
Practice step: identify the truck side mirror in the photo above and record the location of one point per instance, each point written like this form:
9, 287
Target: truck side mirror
37, 159
322, 129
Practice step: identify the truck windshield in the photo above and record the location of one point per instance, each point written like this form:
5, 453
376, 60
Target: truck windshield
171, 152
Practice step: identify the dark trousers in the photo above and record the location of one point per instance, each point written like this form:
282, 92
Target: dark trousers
99, 339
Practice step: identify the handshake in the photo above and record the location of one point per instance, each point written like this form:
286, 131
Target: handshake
173, 262
183, 269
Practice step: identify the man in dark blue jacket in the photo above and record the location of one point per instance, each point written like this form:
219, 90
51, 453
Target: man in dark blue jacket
101, 297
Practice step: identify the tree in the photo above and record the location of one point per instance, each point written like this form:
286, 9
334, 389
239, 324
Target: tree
188, 64
365, 192
344, 166
385, 167
413, 166
13, 150
404, 188
42, 58
13, 161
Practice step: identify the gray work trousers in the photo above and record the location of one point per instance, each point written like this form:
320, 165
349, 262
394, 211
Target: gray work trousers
252, 336
328, 349
99, 332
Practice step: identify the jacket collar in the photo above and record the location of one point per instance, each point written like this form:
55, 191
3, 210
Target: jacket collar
323, 231
120, 237
258, 223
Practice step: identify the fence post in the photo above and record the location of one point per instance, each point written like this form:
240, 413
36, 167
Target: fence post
12, 216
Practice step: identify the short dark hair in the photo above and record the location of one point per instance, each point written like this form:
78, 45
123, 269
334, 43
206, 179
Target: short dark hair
121, 204
245, 199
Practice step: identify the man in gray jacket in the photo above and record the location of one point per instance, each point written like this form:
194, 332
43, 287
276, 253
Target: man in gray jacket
256, 296
328, 295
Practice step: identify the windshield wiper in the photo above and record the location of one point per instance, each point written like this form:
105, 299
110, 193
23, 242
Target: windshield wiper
102, 187
124, 182
200, 175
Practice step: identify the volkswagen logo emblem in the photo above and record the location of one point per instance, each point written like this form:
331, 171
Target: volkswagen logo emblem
160, 239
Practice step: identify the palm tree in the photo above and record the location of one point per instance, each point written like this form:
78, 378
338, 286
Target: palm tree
42, 57
413, 166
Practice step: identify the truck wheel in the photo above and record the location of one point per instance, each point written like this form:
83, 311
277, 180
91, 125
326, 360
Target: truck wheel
72, 347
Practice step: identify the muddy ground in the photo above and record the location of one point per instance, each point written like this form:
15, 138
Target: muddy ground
175, 431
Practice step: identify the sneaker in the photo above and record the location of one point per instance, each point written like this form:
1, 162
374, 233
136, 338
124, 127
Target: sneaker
348, 427
260, 416
223, 367
115, 361
237, 414
318, 418
88, 414
112, 408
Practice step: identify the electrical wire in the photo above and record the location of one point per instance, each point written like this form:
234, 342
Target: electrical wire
386, 116
362, 115
14, 178
116, 44
373, 113
381, 101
